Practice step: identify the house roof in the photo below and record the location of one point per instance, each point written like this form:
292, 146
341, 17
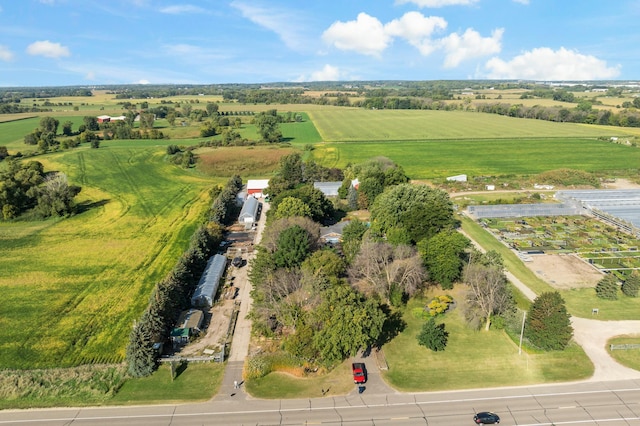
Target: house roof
191, 318
334, 231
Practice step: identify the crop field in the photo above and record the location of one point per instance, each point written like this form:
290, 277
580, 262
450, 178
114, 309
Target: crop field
351, 125
73, 287
438, 159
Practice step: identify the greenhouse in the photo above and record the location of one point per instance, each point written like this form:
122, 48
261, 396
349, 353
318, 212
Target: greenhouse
205, 292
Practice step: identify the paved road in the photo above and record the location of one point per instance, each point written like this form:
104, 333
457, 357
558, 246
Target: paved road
586, 403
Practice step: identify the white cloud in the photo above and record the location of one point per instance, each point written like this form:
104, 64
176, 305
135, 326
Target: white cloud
91, 76
437, 3
281, 21
544, 63
327, 73
365, 35
417, 30
183, 8
142, 81
471, 44
48, 49
5, 53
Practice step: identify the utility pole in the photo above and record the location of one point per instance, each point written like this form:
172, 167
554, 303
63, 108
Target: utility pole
524, 315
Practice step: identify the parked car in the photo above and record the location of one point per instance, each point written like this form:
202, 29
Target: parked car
486, 418
237, 261
359, 373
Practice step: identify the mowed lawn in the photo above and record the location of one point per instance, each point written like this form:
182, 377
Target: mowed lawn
437, 159
72, 288
473, 358
351, 125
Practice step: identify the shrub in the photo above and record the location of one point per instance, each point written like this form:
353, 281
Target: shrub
439, 305
607, 288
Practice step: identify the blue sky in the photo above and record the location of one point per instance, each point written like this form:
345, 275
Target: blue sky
85, 42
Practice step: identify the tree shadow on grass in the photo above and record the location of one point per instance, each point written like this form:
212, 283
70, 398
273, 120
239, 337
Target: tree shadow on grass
86, 206
393, 325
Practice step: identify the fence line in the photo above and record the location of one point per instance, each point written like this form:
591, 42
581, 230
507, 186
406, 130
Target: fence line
624, 347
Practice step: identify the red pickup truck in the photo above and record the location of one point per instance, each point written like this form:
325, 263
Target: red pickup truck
359, 372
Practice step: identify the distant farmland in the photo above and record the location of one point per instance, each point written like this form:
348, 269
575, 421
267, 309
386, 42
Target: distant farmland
360, 125
436, 159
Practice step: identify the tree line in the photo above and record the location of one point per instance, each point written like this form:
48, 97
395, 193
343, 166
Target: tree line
173, 294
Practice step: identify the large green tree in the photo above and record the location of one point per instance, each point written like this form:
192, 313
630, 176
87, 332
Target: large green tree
268, 125
548, 325
345, 322
294, 245
443, 255
420, 210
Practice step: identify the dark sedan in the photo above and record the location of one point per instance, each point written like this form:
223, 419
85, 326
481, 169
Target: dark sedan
486, 418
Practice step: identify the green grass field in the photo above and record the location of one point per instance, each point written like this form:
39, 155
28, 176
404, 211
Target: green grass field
489, 157
72, 288
480, 358
351, 125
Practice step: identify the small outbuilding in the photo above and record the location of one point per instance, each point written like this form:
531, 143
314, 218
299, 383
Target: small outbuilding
205, 292
249, 212
457, 178
333, 234
188, 325
256, 187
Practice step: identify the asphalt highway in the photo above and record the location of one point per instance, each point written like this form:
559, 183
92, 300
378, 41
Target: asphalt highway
584, 403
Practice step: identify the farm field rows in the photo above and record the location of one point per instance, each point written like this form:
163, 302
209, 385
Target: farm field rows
72, 288
491, 157
350, 125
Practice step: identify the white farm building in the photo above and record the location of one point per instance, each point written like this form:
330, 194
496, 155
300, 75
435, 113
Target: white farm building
249, 212
207, 287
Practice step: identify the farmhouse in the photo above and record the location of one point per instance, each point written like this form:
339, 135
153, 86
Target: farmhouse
329, 189
188, 325
249, 212
207, 287
333, 234
104, 119
256, 187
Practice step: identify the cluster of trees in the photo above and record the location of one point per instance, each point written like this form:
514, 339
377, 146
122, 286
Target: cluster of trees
181, 157
26, 187
373, 177
293, 172
608, 287
173, 294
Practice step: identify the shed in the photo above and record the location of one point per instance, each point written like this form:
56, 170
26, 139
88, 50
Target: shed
188, 325
329, 189
249, 212
103, 118
207, 287
256, 187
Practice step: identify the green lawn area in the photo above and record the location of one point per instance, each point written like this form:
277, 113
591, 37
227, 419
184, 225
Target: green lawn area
74, 286
283, 385
626, 357
473, 359
198, 382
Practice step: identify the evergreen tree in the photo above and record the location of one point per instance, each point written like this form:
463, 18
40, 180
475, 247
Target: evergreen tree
548, 324
607, 287
433, 336
631, 285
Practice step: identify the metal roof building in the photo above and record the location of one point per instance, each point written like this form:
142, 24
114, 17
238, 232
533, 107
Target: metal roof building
329, 189
249, 212
207, 287
618, 207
